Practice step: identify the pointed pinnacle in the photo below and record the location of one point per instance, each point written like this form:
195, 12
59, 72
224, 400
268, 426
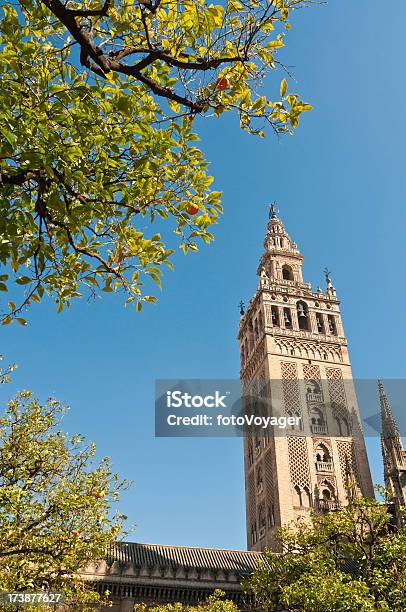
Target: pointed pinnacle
389, 426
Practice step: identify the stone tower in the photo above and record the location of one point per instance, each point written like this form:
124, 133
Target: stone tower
294, 352
394, 456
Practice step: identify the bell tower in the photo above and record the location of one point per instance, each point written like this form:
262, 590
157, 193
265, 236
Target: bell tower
294, 352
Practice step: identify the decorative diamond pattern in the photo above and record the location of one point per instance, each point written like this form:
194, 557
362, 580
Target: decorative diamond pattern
299, 461
290, 387
337, 392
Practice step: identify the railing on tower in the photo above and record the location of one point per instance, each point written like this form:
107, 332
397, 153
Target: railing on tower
327, 505
319, 429
314, 397
324, 466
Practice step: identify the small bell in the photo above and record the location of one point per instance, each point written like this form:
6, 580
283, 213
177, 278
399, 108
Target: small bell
286, 318
301, 311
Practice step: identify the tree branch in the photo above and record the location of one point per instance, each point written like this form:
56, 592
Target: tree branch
93, 57
102, 12
19, 178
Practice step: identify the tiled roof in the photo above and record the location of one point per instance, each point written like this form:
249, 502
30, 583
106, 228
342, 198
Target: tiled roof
156, 555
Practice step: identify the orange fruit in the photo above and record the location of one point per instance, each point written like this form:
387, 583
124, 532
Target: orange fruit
222, 83
192, 209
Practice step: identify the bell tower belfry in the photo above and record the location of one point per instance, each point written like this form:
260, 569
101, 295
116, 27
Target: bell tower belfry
294, 353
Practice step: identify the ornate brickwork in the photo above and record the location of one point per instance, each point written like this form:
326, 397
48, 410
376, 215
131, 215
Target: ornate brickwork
348, 462
290, 387
251, 494
268, 314
308, 350
336, 390
311, 372
269, 477
326, 478
255, 360
299, 461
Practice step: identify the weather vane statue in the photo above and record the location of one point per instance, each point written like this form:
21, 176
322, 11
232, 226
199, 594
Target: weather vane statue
241, 306
328, 277
272, 210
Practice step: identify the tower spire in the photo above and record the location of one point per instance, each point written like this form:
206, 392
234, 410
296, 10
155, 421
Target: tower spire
394, 456
389, 427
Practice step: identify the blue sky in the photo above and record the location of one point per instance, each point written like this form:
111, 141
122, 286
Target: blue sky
340, 186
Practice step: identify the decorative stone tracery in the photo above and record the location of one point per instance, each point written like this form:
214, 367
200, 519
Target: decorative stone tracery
290, 386
309, 350
299, 461
337, 393
348, 462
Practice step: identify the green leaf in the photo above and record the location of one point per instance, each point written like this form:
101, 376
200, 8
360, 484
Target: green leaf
106, 157
283, 88
175, 106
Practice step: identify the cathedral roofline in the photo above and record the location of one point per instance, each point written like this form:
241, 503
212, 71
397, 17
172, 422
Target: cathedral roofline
139, 554
153, 573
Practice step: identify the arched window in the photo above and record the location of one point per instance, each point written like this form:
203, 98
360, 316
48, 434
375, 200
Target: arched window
332, 325
257, 443
343, 427
306, 499
317, 422
260, 482
275, 316
327, 500
316, 416
320, 323
326, 493
297, 497
313, 391
261, 521
287, 272
302, 315
254, 536
271, 516
250, 454
327, 490
322, 454
287, 317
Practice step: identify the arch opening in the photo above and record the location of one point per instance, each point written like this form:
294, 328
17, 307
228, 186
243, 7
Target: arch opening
287, 273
